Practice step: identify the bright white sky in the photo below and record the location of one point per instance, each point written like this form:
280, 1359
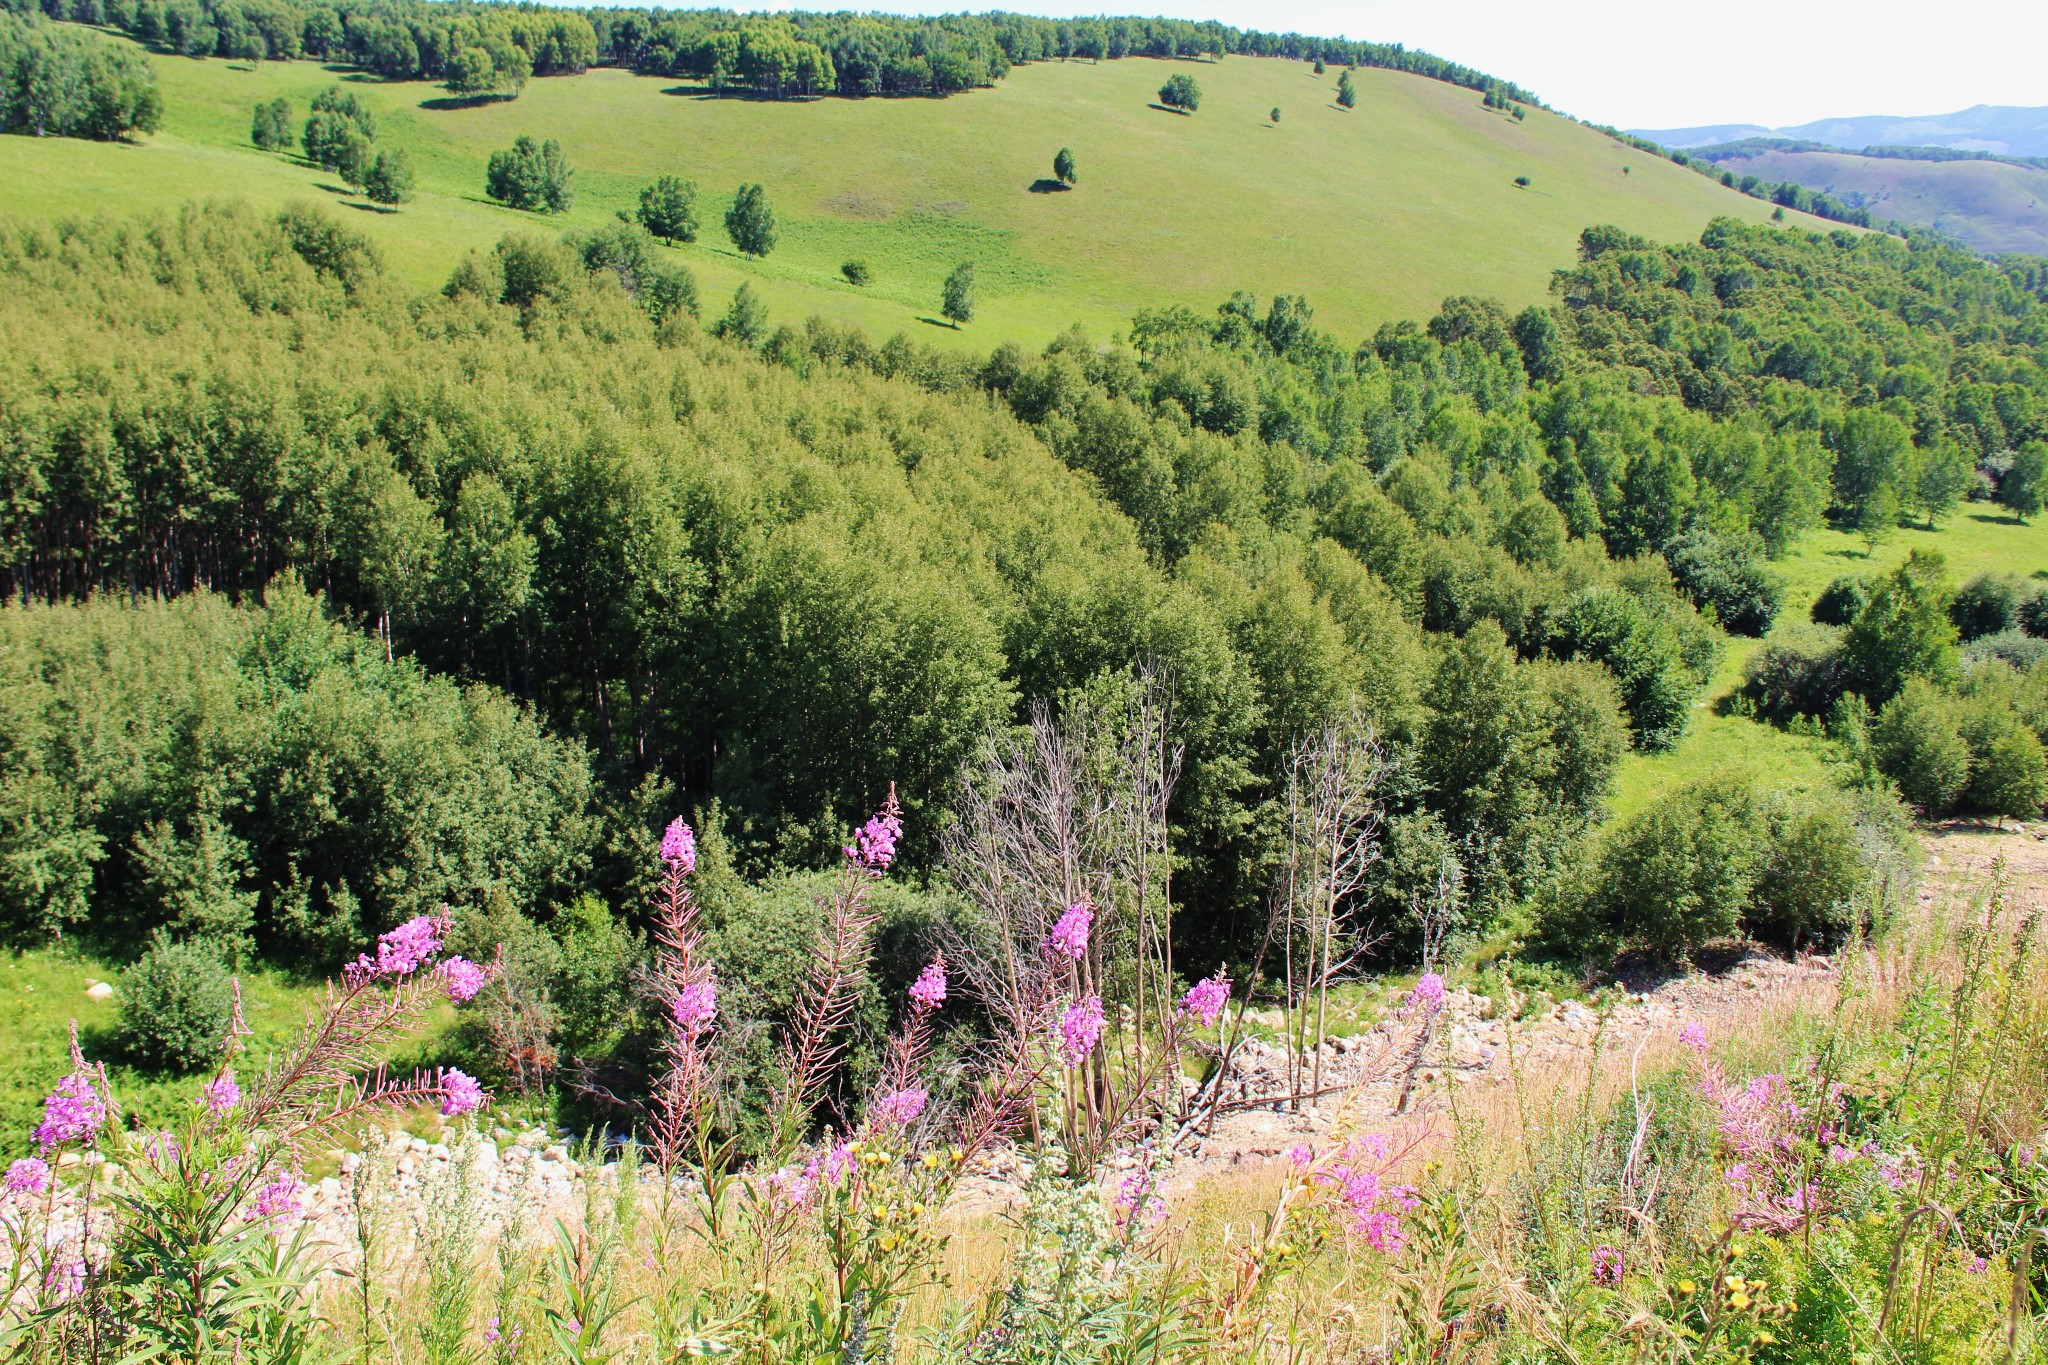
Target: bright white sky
1667, 64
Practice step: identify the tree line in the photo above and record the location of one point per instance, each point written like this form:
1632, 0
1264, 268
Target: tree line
59, 82
492, 48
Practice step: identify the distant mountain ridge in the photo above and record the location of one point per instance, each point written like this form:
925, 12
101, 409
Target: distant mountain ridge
2001, 129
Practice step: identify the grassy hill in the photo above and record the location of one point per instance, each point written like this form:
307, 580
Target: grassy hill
1993, 206
1375, 213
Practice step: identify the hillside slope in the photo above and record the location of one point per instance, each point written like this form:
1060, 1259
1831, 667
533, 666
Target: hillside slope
1993, 206
1375, 213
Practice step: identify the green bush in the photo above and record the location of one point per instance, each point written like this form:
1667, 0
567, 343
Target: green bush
1799, 673
1986, 605
176, 1005
1842, 601
1918, 744
857, 273
1730, 576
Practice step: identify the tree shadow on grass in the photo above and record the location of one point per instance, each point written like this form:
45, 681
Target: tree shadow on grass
1044, 185
1996, 519
940, 322
364, 206
446, 103
1168, 109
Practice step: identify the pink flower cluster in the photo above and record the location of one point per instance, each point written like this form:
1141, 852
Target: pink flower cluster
401, 952
460, 1094
1206, 998
1069, 937
221, 1094
463, 978
1761, 1125
1428, 995
679, 847
1358, 1174
1607, 1265
929, 992
696, 1006
903, 1106
30, 1175
874, 845
278, 1202
73, 1112
1138, 1201
1081, 1029
1694, 1036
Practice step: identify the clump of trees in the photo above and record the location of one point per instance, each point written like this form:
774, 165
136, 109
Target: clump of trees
668, 209
271, 126
750, 222
57, 81
494, 66
341, 135
532, 176
1180, 92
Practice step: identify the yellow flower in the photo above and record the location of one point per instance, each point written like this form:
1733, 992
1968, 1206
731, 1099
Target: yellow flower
1736, 1283
1765, 1338
1686, 1286
890, 1242
1738, 1301
930, 1160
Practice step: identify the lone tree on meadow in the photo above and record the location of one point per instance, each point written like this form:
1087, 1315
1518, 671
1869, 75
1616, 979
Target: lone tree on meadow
668, 209
1181, 92
2022, 487
271, 129
750, 222
1276, 113
1347, 93
1063, 166
959, 301
390, 178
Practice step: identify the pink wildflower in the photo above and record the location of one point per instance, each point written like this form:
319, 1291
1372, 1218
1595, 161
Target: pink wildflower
403, 951
1428, 995
930, 990
491, 1332
222, 1094
64, 1276
30, 1175
696, 1006
1081, 1029
902, 1107
278, 1202
830, 1169
460, 1094
1138, 1201
1205, 999
679, 846
1069, 937
464, 978
1694, 1036
1300, 1155
1607, 1265
73, 1112
874, 845
1377, 1207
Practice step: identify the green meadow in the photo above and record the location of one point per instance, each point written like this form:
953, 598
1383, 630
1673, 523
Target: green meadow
1374, 213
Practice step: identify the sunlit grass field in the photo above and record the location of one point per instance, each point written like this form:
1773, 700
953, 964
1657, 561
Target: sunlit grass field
1374, 213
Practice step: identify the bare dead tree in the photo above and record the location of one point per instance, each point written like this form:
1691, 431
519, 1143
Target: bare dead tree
1333, 818
1071, 811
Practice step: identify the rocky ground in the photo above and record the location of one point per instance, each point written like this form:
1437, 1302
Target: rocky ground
1364, 1075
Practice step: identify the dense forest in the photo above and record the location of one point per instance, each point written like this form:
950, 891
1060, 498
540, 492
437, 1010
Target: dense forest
780, 56
782, 574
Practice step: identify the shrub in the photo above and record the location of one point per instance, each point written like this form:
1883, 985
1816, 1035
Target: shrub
1678, 875
1063, 165
1986, 605
1797, 674
1730, 576
2008, 771
1918, 744
1902, 632
271, 129
389, 179
2013, 647
1841, 601
1809, 882
857, 273
176, 1004
2031, 615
